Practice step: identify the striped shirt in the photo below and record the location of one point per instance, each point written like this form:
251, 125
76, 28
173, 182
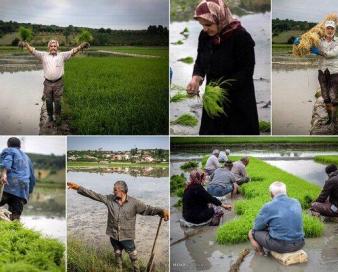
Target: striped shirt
53, 65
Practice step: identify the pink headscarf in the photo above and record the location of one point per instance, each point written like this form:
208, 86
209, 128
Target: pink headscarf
196, 177
215, 11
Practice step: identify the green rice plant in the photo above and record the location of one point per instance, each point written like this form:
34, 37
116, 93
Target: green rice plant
84, 36
189, 165
179, 96
204, 160
184, 31
25, 34
177, 183
117, 95
179, 42
256, 194
264, 126
186, 119
84, 257
329, 159
26, 250
215, 99
187, 60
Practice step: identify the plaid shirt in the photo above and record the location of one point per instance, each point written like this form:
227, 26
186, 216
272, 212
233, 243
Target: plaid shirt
121, 218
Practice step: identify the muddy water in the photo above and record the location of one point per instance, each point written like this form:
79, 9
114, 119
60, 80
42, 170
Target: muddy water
87, 218
45, 212
200, 252
292, 100
20, 102
258, 26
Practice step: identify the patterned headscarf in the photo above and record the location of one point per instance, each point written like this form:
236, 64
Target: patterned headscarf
215, 11
196, 177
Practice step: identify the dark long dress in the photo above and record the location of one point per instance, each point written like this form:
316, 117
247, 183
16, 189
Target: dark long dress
233, 58
195, 204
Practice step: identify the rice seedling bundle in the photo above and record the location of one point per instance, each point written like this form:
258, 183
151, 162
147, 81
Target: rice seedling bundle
187, 60
312, 37
177, 182
186, 119
215, 98
25, 33
189, 165
179, 96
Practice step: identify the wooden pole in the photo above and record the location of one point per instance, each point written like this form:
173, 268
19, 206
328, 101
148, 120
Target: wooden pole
151, 260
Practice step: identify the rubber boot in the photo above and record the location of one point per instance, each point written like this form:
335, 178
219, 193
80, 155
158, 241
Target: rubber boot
118, 260
50, 109
57, 104
134, 261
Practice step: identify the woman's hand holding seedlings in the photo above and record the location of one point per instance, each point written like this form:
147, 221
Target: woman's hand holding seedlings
73, 185
194, 84
165, 215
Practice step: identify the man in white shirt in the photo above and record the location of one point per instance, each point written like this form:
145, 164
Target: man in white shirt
212, 162
328, 79
53, 69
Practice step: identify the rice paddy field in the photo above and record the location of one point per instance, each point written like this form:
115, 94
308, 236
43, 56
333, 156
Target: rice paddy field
217, 248
117, 95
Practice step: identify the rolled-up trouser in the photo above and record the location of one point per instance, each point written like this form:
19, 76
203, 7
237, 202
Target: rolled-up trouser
242, 180
53, 92
324, 209
218, 190
129, 246
15, 205
263, 238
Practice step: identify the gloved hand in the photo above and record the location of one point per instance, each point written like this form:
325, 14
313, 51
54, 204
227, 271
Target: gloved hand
315, 50
296, 41
84, 45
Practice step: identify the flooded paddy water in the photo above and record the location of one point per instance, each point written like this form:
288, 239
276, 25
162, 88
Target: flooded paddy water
294, 84
200, 251
45, 212
257, 24
21, 79
87, 218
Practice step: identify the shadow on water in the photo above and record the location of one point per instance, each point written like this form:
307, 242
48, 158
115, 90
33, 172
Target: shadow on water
200, 252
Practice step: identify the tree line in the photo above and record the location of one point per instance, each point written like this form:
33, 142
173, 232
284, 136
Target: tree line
153, 35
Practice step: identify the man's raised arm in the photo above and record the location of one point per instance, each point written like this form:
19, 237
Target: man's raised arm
88, 193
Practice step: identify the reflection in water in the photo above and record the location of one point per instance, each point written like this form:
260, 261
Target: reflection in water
132, 171
20, 102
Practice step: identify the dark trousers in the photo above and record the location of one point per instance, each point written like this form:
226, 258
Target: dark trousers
15, 205
281, 246
324, 209
127, 245
53, 92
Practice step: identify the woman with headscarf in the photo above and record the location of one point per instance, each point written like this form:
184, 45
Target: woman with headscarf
225, 52
196, 200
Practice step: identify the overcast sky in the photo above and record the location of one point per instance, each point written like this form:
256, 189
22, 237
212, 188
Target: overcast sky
117, 143
114, 14
303, 10
39, 144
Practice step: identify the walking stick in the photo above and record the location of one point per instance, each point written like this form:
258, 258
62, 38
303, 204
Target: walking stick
1, 190
151, 260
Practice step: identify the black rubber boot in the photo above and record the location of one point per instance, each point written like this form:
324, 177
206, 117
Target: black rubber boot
57, 105
50, 110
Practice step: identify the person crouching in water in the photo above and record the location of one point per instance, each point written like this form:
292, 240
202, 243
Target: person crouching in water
197, 208
222, 181
279, 224
122, 211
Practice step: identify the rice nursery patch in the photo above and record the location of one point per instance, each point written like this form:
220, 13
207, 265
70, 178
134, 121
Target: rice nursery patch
117, 95
177, 186
187, 60
327, 159
215, 98
186, 119
264, 126
25, 250
189, 165
256, 194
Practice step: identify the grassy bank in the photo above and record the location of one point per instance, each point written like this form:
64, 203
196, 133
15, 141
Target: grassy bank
256, 194
75, 165
252, 140
327, 159
83, 258
281, 49
117, 95
24, 250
